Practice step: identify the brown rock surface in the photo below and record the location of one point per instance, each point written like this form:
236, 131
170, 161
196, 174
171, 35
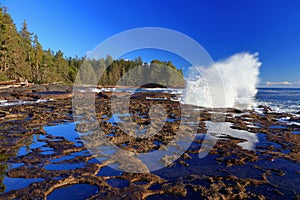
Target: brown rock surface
271, 171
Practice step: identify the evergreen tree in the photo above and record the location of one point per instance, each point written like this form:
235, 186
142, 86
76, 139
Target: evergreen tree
108, 60
23, 56
37, 60
26, 42
86, 74
8, 42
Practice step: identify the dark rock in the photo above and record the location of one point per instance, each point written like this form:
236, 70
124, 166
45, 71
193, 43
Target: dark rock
6, 96
58, 88
2, 114
38, 88
53, 95
104, 95
152, 85
266, 108
25, 97
2, 97
19, 90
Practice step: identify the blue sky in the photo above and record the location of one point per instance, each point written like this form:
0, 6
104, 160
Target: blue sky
223, 28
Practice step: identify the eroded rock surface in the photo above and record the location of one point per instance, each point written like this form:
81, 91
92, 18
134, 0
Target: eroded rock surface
231, 170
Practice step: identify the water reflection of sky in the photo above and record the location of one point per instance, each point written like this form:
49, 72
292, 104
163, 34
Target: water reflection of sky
66, 130
225, 129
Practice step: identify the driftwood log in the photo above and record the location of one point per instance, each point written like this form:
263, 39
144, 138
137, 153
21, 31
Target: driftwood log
14, 83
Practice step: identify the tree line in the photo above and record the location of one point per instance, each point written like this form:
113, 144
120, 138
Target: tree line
22, 56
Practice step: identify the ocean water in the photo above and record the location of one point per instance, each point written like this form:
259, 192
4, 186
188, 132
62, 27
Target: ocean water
279, 99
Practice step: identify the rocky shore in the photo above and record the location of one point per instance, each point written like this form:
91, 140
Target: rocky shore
35, 92
232, 170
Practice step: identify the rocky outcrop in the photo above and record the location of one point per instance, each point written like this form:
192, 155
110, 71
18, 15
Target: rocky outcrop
229, 171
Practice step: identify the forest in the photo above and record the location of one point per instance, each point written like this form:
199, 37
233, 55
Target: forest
22, 56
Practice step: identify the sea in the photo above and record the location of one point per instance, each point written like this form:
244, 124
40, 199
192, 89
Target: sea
279, 99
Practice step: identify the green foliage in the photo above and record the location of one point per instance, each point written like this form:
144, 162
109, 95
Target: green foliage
22, 56
3, 77
86, 74
132, 73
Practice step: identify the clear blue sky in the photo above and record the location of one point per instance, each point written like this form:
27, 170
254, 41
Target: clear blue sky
223, 28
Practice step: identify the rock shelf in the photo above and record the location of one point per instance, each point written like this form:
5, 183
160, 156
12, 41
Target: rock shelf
269, 171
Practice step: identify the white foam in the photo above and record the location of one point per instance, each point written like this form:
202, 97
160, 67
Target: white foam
239, 114
175, 99
284, 119
228, 83
287, 121
259, 110
156, 98
20, 102
294, 123
280, 107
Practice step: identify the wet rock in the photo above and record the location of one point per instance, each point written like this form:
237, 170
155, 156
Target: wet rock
53, 95
177, 189
39, 89
104, 95
6, 96
153, 85
266, 109
227, 172
58, 88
